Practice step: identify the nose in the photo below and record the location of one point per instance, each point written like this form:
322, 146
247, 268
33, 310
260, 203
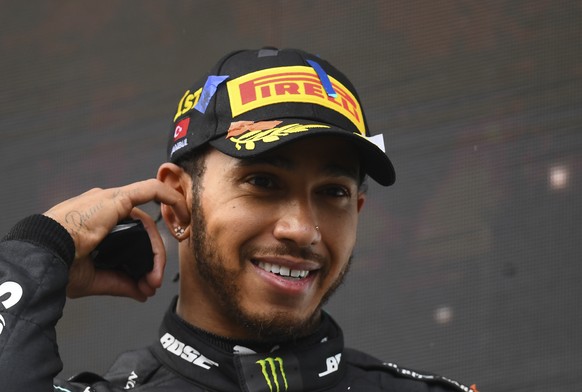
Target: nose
298, 223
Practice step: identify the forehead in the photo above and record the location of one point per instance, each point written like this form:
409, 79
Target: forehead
332, 155
325, 150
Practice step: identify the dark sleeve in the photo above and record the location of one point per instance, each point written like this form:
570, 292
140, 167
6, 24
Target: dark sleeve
34, 261
387, 376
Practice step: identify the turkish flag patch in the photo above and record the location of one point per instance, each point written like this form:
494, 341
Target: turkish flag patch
181, 128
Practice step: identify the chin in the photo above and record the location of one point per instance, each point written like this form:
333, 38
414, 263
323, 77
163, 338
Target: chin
281, 325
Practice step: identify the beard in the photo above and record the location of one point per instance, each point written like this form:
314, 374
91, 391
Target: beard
274, 326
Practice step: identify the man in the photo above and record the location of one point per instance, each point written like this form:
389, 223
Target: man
262, 190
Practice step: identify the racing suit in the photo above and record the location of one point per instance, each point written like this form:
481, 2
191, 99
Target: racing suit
34, 261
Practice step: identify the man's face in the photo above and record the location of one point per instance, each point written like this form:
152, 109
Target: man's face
272, 237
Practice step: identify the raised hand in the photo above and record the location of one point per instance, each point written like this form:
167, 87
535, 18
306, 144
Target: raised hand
91, 216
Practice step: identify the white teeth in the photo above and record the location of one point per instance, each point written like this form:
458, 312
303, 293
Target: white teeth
283, 271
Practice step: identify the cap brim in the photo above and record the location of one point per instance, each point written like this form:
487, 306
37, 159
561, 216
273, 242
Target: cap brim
252, 139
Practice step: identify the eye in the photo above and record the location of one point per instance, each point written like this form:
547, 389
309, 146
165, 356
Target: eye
262, 181
336, 191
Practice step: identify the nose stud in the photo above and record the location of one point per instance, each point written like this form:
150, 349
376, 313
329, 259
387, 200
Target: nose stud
317, 228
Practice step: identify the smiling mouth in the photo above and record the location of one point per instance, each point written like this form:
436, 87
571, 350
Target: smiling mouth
282, 271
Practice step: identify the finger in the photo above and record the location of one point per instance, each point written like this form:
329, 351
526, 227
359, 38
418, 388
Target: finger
86, 280
104, 282
145, 288
151, 190
154, 278
116, 283
90, 216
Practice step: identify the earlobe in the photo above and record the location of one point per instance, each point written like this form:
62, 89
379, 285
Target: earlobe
175, 177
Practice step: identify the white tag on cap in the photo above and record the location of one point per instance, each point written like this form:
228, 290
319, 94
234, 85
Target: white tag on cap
378, 140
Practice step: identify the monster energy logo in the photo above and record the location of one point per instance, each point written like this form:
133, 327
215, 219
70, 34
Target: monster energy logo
271, 367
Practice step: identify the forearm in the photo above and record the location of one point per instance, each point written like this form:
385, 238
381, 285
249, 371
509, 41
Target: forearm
34, 261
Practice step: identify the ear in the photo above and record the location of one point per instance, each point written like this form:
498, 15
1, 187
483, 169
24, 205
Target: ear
361, 200
175, 177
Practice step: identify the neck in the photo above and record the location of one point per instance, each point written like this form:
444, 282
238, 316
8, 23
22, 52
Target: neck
257, 345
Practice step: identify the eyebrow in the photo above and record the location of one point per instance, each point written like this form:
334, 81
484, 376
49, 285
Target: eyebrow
331, 169
276, 161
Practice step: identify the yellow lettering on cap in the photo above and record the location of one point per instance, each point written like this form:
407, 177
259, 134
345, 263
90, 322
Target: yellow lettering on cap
187, 103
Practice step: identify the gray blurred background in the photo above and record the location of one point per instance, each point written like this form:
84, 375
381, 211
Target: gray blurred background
470, 266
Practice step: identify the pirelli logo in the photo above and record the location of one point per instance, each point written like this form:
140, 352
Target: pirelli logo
291, 84
274, 373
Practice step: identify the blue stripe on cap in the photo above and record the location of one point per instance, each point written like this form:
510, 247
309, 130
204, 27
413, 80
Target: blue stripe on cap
325, 82
208, 91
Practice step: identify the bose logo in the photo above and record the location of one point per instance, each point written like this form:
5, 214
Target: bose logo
15, 294
187, 353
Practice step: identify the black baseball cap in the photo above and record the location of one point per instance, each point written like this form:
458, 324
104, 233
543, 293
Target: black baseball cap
253, 101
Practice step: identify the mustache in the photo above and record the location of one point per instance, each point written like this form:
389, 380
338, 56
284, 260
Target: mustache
283, 249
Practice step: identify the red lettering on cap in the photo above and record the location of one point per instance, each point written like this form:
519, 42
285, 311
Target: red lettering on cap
247, 92
181, 128
314, 89
286, 88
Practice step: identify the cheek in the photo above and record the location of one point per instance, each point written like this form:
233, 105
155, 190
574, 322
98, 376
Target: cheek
340, 237
233, 224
